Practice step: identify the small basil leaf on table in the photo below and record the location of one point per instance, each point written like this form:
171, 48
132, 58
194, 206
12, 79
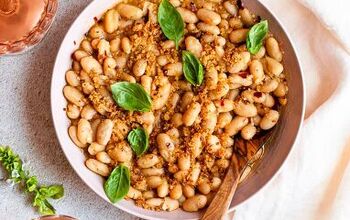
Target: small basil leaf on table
170, 22
256, 36
192, 68
138, 139
53, 191
131, 96
117, 184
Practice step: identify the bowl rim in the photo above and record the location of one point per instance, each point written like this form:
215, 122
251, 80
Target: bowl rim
301, 118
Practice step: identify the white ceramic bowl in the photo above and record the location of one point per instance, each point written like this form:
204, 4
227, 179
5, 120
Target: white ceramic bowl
275, 155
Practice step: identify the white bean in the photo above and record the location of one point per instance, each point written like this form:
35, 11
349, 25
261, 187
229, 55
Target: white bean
238, 36
94, 148
72, 111
91, 65
269, 120
236, 125
147, 161
111, 21
103, 157
126, 45
72, 131
104, 131
84, 131
165, 146
74, 96
72, 78
208, 28
248, 132
194, 203
245, 109
272, 66
97, 167
193, 45
273, 49
187, 15
122, 152
191, 114
170, 204
140, 67
209, 16
129, 11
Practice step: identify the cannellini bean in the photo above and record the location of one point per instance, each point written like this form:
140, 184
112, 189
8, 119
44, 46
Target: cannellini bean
109, 65
208, 16
147, 160
152, 171
115, 44
72, 131
163, 189
185, 86
236, 125
222, 163
204, 187
219, 51
103, 157
180, 175
224, 105
162, 60
209, 28
88, 112
194, 203
94, 43
215, 183
90, 64
272, 67
111, 21
79, 54
211, 78
140, 67
168, 44
97, 167
256, 69
273, 49
186, 100
208, 38
246, 17
176, 120
97, 32
166, 147
72, 111
148, 194
269, 120
134, 193
221, 90
213, 144
238, 36
184, 162
245, 109
154, 181
243, 59
188, 191
163, 94
74, 96
193, 45
231, 8
187, 15
129, 11
260, 54
191, 114
194, 173
104, 131
173, 101
146, 82
248, 132
196, 145
173, 69
281, 90
209, 117
233, 93
126, 45
72, 78
223, 119
256, 120
175, 3
269, 101
170, 204
87, 87
154, 202
146, 118
269, 85
86, 46
235, 23
253, 96
84, 131
226, 142
122, 152
104, 49
94, 148
176, 191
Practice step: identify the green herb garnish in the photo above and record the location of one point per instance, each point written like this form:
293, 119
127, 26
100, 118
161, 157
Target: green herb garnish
192, 68
13, 165
138, 139
131, 96
170, 22
256, 36
117, 184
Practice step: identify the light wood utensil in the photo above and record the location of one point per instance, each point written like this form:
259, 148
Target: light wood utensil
244, 152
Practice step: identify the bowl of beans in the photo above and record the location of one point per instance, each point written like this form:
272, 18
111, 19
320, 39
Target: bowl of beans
149, 96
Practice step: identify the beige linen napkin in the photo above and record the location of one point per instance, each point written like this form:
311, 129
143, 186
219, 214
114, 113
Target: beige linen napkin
314, 183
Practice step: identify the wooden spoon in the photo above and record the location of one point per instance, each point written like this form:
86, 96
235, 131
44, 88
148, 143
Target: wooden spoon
244, 152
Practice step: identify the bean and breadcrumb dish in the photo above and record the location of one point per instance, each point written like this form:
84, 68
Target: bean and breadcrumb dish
159, 90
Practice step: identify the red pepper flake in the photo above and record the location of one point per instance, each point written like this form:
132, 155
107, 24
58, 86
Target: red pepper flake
193, 7
222, 102
257, 94
243, 74
96, 19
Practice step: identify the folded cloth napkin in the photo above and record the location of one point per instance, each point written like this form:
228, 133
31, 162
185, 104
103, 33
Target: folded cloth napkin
314, 183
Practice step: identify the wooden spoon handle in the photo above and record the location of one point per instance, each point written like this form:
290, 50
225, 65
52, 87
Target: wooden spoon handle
218, 207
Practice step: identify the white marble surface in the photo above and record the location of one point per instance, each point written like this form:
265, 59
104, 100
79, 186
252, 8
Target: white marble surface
26, 126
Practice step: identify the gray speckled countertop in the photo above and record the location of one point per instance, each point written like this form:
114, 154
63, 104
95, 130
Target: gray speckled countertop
26, 126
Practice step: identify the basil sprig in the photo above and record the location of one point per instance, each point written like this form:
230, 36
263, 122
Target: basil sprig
131, 96
192, 68
138, 139
256, 36
170, 22
13, 165
117, 184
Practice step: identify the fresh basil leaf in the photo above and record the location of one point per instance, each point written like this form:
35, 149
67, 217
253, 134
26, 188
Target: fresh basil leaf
131, 96
43, 205
170, 22
31, 184
117, 184
256, 36
192, 68
54, 191
138, 139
